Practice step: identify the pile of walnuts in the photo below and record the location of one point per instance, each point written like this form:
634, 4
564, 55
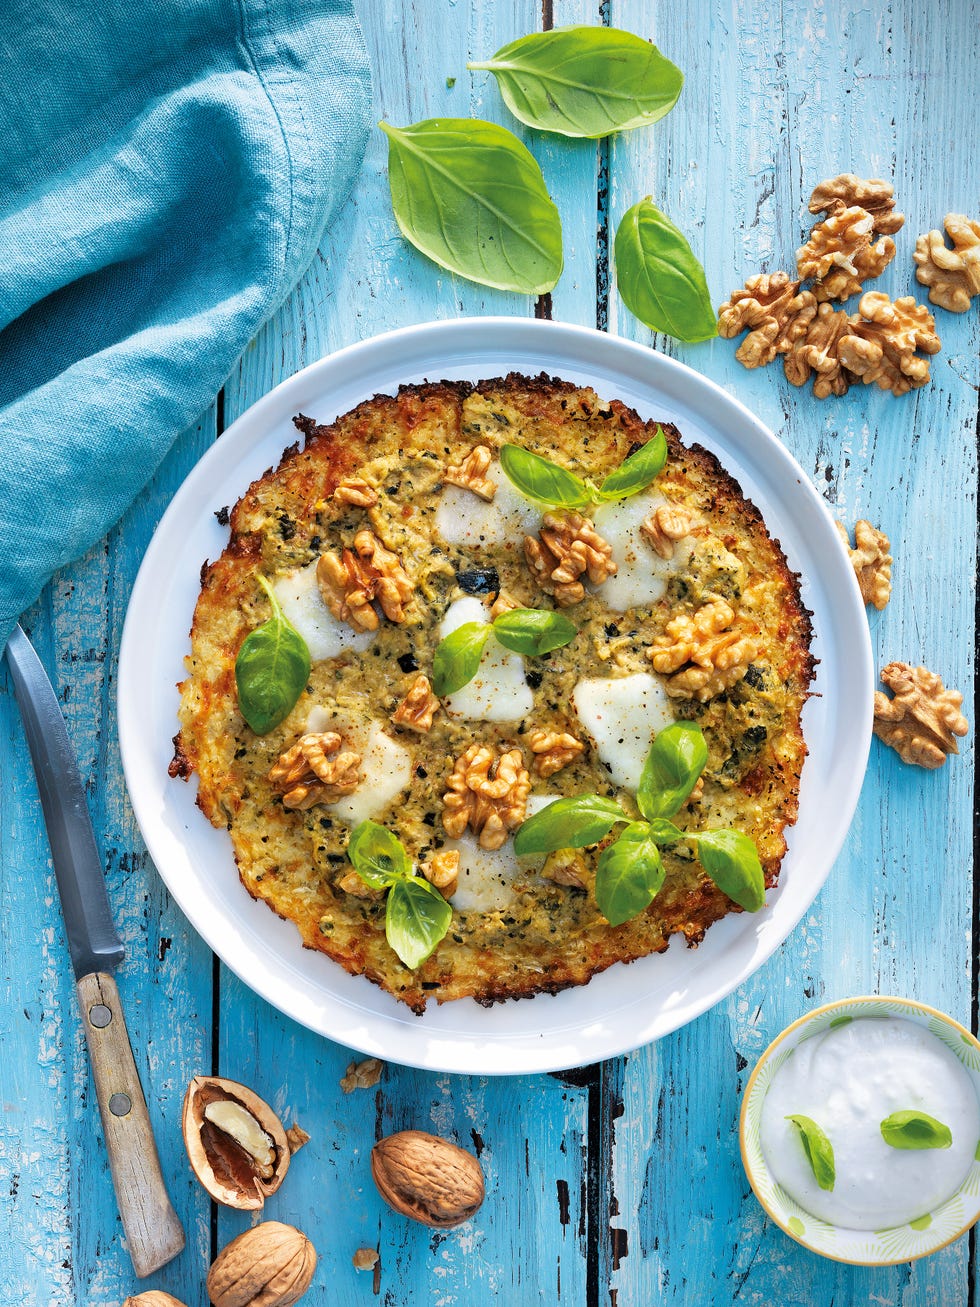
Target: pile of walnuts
886, 341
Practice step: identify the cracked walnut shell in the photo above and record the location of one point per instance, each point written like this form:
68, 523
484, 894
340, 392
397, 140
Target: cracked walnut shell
270, 1265
427, 1178
952, 275
872, 194
774, 311
568, 547
704, 653
487, 792
871, 561
362, 1075
839, 256
350, 580
235, 1142
922, 719
316, 770
882, 342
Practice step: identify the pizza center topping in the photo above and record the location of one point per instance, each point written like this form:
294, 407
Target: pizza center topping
553, 750
664, 526
487, 793
567, 548
417, 709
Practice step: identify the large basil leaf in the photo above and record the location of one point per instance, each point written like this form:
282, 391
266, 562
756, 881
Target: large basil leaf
457, 657
271, 669
676, 759
585, 81
533, 631
628, 875
377, 856
471, 197
569, 823
732, 861
416, 919
818, 1149
911, 1129
659, 279
637, 471
542, 481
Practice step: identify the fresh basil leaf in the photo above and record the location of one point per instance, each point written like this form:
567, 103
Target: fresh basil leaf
659, 279
416, 919
585, 81
377, 856
637, 471
570, 823
665, 832
542, 481
533, 631
628, 875
913, 1129
457, 657
819, 1150
271, 669
732, 861
472, 198
676, 759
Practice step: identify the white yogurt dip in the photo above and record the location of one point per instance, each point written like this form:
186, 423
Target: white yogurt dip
848, 1080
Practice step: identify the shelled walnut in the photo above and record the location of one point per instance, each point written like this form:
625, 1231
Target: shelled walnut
816, 354
922, 719
235, 1142
417, 709
356, 491
705, 652
553, 750
662, 528
871, 561
566, 867
877, 197
952, 275
882, 341
487, 792
471, 473
270, 1265
441, 870
839, 256
316, 769
568, 547
774, 311
350, 580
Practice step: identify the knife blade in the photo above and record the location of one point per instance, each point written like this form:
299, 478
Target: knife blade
153, 1231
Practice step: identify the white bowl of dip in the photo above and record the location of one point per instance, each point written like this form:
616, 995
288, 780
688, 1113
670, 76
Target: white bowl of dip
848, 1066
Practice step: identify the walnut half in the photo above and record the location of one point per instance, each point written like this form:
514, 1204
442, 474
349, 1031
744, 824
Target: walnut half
922, 719
568, 547
416, 710
952, 275
774, 311
704, 653
487, 792
839, 255
553, 750
881, 342
871, 561
471, 473
349, 581
316, 770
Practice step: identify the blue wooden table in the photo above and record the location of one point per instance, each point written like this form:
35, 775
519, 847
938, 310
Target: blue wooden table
619, 1183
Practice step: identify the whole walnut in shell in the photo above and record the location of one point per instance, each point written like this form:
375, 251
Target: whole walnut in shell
152, 1298
270, 1265
427, 1178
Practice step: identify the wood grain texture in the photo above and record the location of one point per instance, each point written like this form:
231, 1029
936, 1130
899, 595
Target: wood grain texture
619, 1183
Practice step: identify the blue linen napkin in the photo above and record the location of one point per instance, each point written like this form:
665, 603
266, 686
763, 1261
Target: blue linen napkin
166, 173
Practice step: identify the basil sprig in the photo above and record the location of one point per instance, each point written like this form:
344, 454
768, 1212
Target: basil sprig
471, 197
531, 631
417, 917
547, 483
630, 871
659, 279
915, 1130
585, 81
271, 669
818, 1149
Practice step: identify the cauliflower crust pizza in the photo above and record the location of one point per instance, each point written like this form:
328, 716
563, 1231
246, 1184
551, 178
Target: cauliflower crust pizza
395, 528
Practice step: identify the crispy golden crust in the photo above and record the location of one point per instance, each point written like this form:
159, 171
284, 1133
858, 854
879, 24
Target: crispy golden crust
549, 936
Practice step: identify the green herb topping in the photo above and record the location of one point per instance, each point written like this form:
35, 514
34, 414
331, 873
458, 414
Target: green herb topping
531, 631
916, 1130
545, 482
417, 917
818, 1149
271, 669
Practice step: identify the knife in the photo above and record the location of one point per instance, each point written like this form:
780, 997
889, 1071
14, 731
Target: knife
153, 1231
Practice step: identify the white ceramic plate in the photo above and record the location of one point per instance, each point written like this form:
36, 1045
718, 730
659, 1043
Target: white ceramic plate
625, 1006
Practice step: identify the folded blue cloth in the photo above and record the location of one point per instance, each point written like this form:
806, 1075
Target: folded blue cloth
166, 173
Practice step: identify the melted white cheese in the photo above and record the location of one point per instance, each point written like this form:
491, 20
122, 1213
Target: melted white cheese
622, 714
642, 575
463, 518
487, 876
498, 692
302, 604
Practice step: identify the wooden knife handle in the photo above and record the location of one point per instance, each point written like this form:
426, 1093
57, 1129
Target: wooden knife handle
153, 1231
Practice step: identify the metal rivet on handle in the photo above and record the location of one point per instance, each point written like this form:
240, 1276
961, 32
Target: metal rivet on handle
120, 1104
100, 1015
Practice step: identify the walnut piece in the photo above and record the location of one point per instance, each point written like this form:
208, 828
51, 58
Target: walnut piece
871, 561
416, 710
873, 195
817, 352
504, 603
487, 792
362, 1075
881, 343
922, 719
839, 256
566, 867
316, 770
704, 653
442, 871
471, 473
773, 309
349, 581
366, 1259
351, 883
356, 491
553, 750
952, 275
664, 527
568, 547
